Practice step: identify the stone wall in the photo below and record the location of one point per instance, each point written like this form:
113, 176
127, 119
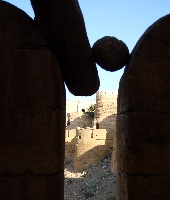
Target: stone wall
88, 146
91, 147
32, 111
78, 105
106, 109
104, 115
143, 130
78, 119
70, 142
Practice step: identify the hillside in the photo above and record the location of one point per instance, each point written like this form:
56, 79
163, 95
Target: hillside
96, 183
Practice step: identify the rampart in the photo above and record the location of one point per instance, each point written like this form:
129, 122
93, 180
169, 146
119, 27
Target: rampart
88, 146
104, 115
78, 105
106, 109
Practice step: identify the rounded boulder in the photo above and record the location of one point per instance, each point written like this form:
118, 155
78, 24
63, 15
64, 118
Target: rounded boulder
110, 53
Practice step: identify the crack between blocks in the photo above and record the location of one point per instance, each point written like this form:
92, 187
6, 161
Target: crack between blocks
38, 109
143, 111
129, 174
30, 174
148, 174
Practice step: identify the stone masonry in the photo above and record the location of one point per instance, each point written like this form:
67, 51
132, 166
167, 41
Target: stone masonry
32, 111
95, 139
143, 130
88, 146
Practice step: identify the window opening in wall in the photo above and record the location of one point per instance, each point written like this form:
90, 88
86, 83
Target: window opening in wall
68, 122
97, 125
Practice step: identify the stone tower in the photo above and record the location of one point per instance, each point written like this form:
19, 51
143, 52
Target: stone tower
106, 109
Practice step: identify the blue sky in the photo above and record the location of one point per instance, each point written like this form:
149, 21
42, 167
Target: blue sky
124, 19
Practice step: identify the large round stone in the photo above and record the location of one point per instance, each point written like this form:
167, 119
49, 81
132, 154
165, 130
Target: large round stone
110, 53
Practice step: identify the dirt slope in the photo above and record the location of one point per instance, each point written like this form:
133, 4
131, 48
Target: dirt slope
97, 182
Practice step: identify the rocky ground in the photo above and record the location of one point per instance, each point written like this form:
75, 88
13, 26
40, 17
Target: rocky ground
97, 182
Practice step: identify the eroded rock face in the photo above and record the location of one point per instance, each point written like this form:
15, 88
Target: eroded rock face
63, 26
32, 111
143, 131
110, 53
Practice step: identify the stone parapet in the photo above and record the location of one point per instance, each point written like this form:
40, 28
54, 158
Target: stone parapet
91, 146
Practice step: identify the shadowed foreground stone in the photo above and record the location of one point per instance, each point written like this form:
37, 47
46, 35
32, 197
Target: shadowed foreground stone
63, 26
110, 53
32, 111
143, 131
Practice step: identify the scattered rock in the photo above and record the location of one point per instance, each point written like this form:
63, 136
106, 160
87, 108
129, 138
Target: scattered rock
96, 183
110, 53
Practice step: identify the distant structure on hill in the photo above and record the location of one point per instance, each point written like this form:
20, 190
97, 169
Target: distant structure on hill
78, 111
91, 129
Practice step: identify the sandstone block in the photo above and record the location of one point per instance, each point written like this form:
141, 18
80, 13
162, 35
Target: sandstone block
32, 111
18, 30
143, 140
28, 81
155, 40
28, 187
148, 80
99, 134
143, 143
145, 82
142, 187
28, 141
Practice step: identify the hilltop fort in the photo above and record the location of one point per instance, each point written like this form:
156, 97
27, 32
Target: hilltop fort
90, 129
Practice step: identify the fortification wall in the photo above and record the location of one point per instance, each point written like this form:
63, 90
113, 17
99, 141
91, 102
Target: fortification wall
78, 119
104, 115
106, 109
73, 106
70, 143
88, 146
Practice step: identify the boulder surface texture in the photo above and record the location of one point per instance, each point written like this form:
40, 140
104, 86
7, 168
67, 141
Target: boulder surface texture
110, 53
143, 131
32, 111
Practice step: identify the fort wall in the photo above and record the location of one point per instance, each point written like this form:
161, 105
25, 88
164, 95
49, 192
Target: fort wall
106, 109
78, 119
78, 105
104, 115
89, 145
70, 143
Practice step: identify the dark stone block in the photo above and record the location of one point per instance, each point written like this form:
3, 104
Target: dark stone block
142, 187
31, 140
145, 82
41, 187
144, 143
30, 79
143, 131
